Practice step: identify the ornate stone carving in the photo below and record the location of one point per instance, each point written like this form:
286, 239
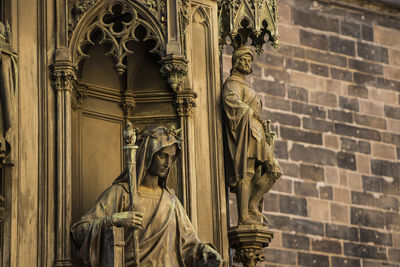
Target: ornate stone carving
63, 76
185, 101
248, 242
243, 19
174, 68
252, 173
115, 25
81, 93
128, 103
156, 7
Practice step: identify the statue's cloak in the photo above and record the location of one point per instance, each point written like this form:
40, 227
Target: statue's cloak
245, 133
168, 240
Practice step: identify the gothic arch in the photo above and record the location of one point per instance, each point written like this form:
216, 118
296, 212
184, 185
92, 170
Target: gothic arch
116, 22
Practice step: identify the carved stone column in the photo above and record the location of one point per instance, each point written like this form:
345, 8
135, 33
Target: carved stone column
63, 78
174, 68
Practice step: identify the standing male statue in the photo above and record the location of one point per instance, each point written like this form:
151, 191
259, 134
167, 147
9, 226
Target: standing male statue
166, 235
252, 167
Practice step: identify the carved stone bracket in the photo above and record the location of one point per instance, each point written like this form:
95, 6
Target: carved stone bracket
128, 104
248, 241
81, 93
243, 19
185, 101
174, 68
63, 76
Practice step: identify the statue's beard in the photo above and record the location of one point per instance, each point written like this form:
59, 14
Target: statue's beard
243, 70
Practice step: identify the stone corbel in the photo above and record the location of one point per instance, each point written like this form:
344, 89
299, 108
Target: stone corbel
174, 68
63, 76
248, 242
128, 104
185, 101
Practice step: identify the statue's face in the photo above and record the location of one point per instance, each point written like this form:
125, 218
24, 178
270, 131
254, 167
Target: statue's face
243, 64
162, 161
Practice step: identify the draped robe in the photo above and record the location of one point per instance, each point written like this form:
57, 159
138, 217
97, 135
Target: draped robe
245, 134
168, 239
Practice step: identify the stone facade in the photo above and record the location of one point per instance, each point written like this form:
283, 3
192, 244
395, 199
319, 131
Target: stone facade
332, 93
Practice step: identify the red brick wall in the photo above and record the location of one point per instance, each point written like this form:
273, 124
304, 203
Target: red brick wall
332, 93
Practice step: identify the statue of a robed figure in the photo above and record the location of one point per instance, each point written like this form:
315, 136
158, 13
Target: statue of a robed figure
252, 168
149, 213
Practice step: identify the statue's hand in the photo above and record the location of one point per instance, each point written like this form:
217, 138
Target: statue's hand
208, 253
127, 219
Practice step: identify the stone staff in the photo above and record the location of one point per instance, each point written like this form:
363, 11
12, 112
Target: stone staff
130, 158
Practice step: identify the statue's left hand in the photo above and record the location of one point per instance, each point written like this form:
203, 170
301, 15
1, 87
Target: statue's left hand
208, 253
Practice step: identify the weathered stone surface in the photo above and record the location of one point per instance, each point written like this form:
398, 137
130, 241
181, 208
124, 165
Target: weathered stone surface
314, 40
310, 172
340, 115
340, 74
312, 155
320, 70
367, 33
346, 160
298, 65
392, 112
280, 256
369, 218
280, 222
313, 260
362, 251
290, 169
301, 136
271, 202
293, 205
345, 262
325, 192
299, 242
307, 226
357, 132
317, 125
282, 118
365, 66
342, 46
280, 149
372, 52
376, 237
349, 103
358, 91
342, 232
311, 110
271, 88
322, 57
350, 29
315, 21
305, 189
328, 246
298, 93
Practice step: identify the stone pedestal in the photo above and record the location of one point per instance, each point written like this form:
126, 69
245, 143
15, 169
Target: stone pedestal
248, 241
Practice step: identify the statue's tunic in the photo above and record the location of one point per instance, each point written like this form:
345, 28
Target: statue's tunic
167, 238
245, 133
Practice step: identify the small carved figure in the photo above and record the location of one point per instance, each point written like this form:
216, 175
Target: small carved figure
166, 235
252, 166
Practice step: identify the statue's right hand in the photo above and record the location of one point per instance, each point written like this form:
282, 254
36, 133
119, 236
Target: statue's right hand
127, 219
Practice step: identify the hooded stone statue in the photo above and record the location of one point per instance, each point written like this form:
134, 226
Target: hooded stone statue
166, 236
251, 165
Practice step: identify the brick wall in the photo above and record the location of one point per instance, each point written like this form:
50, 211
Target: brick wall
332, 92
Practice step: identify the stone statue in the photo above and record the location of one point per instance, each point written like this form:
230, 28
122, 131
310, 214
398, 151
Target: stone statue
166, 235
252, 167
